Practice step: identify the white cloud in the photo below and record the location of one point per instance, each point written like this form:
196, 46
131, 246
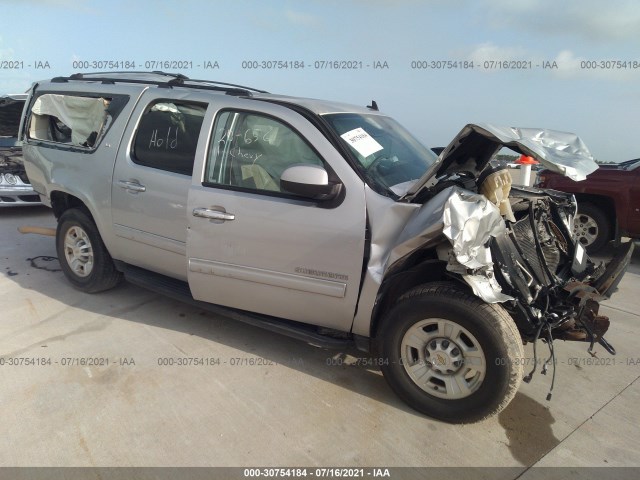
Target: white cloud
568, 64
489, 51
571, 65
301, 19
616, 20
5, 53
591, 19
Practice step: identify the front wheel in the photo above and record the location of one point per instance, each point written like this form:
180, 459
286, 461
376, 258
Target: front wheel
449, 355
83, 257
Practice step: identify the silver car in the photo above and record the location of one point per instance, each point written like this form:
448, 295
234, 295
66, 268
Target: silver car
327, 222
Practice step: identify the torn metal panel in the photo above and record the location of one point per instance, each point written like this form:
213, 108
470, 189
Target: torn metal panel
486, 287
476, 144
394, 220
563, 152
426, 224
467, 219
386, 220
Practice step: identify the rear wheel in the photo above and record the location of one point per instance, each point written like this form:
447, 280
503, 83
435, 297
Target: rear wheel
84, 259
591, 227
449, 355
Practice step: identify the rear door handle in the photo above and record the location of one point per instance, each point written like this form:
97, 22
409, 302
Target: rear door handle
213, 214
134, 187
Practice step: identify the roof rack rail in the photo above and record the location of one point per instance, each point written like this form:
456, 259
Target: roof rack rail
227, 85
176, 80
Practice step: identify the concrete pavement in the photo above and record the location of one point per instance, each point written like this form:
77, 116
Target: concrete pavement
259, 399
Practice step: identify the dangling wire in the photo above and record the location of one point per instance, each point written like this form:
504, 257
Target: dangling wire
528, 377
552, 358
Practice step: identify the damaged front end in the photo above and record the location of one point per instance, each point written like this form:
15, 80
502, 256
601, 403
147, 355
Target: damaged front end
515, 246
555, 286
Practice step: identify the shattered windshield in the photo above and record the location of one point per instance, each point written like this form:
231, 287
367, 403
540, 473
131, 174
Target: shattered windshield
391, 157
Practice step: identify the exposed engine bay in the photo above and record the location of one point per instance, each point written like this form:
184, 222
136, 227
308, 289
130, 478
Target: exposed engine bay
515, 246
11, 162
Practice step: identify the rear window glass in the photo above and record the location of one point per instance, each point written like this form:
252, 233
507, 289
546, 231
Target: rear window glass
70, 120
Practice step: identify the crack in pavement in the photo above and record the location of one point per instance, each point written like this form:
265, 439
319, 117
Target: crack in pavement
635, 314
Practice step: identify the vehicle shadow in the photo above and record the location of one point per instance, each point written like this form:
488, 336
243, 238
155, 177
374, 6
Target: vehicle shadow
527, 423
24, 211
29, 263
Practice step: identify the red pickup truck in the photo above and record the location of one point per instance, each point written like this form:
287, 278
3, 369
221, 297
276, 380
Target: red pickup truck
608, 202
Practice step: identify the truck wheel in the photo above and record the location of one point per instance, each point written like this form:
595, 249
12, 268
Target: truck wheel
450, 355
591, 227
83, 257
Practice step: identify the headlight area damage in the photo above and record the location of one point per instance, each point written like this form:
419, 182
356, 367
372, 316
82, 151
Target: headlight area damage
515, 245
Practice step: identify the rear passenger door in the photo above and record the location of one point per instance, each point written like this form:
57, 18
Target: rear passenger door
151, 182
253, 246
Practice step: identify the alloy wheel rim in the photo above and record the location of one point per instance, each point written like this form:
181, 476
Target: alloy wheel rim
585, 229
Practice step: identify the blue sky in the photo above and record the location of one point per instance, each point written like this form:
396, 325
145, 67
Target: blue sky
600, 105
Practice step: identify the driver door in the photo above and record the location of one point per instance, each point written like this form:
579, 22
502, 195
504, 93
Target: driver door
255, 247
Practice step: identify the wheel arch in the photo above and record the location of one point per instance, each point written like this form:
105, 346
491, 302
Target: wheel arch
606, 204
397, 283
62, 201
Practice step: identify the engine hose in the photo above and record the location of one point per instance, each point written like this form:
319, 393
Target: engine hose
528, 377
552, 357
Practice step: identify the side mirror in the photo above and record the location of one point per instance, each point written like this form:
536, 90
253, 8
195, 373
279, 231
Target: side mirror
310, 181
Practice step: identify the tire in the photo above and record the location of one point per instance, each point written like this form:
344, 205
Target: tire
449, 355
591, 227
83, 257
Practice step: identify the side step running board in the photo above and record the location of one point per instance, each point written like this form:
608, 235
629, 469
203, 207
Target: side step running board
179, 290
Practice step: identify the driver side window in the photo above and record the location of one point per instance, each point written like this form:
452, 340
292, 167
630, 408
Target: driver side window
250, 151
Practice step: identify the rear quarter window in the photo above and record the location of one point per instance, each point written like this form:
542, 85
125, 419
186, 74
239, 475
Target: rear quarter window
71, 120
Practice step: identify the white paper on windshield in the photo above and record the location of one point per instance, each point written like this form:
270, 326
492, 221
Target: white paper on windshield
364, 143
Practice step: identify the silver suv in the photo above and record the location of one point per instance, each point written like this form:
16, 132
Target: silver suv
327, 222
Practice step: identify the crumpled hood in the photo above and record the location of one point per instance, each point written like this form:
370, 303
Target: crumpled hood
476, 144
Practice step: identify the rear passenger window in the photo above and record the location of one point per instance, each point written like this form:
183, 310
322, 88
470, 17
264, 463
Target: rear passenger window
167, 136
69, 120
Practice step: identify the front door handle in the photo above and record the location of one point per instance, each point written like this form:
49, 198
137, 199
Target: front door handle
213, 214
132, 186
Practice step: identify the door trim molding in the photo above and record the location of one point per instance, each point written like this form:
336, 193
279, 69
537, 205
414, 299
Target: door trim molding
164, 243
269, 277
